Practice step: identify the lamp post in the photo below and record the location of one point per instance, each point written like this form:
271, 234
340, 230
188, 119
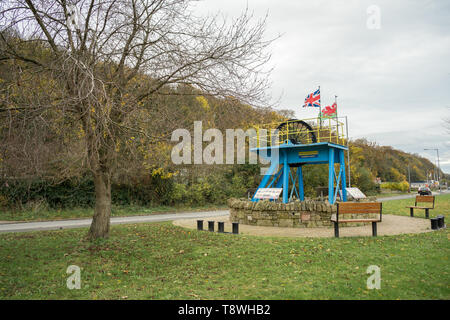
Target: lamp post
439, 168
409, 180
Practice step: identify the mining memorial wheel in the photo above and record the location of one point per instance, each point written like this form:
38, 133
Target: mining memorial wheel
297, 131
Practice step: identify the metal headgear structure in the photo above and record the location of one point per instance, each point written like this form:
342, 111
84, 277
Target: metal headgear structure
292, 144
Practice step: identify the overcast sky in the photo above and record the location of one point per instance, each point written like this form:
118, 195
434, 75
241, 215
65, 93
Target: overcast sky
393, 82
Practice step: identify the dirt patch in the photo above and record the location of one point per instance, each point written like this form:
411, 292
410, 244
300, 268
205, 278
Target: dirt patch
391, 225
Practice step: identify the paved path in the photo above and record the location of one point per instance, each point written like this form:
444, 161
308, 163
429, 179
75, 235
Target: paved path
80, 223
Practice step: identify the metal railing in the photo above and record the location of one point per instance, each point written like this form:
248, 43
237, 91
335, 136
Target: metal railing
332, 130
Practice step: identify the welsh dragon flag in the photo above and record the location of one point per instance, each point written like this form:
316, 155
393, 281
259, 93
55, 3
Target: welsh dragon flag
329, 112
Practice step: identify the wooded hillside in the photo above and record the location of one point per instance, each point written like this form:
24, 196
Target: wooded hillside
43, 161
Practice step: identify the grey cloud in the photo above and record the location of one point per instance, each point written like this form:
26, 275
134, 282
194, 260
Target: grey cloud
393, 83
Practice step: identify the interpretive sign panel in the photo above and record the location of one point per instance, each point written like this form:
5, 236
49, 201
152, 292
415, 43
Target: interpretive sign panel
355, 193
268, 193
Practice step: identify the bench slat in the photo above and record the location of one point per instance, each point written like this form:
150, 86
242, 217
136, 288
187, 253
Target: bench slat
366, 205
357, 220
358, 211
359, 207
424, 198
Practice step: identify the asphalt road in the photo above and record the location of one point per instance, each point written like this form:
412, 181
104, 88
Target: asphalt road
81, 223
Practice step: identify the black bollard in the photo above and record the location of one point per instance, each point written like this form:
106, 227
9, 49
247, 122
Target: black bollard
221, 226
199, 225
440, 221
235, 227
211, 226
434, 223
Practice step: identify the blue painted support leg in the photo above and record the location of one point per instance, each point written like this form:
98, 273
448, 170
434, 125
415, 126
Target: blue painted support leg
267, 176
280, 180
285, 178
300, 183
343, 180
331, 176
275, 177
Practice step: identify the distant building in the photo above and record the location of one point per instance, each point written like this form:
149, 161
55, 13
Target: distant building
419, 184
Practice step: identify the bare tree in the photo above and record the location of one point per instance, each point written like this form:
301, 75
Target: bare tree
106, 60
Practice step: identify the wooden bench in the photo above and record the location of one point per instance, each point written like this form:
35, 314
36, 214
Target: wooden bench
359, 208
422, 199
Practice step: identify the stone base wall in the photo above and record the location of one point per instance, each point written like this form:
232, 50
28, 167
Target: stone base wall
297, 214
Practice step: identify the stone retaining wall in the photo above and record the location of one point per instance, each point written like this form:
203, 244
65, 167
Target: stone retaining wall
297, 214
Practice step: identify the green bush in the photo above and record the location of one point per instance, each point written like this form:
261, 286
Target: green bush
71, 193
179, 193
364, 181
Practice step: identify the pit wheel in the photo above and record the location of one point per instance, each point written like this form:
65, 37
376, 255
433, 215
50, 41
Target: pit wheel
297, 131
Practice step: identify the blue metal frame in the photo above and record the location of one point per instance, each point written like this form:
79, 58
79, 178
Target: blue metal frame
296, 156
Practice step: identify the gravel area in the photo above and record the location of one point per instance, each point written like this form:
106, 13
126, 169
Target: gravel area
391, 225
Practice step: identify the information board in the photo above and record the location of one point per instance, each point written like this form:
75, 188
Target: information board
268, 193
355, 193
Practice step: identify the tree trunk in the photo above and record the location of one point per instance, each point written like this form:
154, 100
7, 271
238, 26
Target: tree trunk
100, 223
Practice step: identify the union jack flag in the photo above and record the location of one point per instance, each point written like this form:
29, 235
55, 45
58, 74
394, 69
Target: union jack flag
313, 99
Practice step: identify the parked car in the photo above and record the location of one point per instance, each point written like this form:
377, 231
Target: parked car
424, 191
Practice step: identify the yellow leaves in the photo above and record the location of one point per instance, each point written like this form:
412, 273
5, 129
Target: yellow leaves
356, 153
203, 102
396, 175
157, 171
161, 172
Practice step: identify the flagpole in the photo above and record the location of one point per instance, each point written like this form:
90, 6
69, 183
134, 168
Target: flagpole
337, 118
348, 143
348, 153
335, 101
320, 114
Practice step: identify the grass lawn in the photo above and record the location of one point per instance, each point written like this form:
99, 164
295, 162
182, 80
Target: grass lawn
398, 207
117, 211
162, 261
